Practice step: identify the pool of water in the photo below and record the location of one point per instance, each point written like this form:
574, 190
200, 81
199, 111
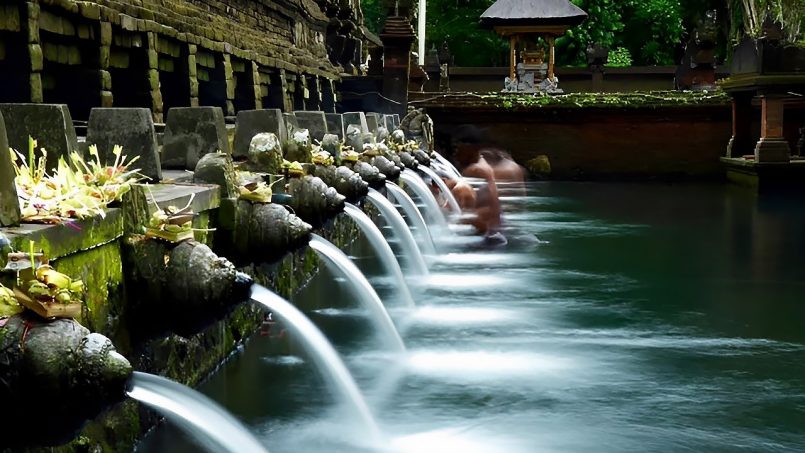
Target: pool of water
648, 318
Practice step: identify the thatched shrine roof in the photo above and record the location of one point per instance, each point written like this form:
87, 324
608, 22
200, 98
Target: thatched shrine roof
532, 13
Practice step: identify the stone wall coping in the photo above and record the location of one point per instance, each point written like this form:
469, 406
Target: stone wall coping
77, 235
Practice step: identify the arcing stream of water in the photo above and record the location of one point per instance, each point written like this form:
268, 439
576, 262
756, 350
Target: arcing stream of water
432, 210
322, 353
383, 250
410, 249
414, 216
363, 289
446, 193
199, 415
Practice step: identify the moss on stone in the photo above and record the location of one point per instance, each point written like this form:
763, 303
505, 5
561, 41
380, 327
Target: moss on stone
101, 269
648, 99
202, 222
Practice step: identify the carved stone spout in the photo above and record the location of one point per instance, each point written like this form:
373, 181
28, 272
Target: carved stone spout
55, 375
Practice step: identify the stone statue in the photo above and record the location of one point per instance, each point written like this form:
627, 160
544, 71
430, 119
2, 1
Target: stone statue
444, 78
418, 126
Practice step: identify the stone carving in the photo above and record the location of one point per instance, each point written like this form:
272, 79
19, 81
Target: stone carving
299, 149
266, 231
217, 168
444, 78
354, 137
265, 153
418, 126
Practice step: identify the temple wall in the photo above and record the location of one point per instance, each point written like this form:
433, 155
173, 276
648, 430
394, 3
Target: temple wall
239, 54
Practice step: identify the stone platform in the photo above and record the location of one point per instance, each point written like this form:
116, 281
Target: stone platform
765, 176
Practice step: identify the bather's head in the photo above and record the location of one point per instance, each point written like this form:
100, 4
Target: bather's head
466, 143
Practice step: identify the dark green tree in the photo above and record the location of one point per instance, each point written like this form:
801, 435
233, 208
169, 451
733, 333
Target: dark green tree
649, 32
456, 22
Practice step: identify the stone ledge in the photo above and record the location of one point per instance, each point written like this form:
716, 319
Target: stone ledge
67, 238
205, 196
70, 237
763, 176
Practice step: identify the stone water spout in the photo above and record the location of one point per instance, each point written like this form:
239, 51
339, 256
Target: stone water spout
404, 158
343, 180
266, 231
313, 200
387, 167
54, 376
181, 287
422, 157
341, 177
408, 160
368, 173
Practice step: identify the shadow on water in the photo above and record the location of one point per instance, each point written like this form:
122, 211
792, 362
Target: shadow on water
655, 318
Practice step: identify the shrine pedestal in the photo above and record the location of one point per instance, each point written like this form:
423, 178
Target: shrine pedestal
765, 176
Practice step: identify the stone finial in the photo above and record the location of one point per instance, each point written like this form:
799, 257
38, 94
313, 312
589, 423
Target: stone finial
382, 133
50, 124
355, 137
373, 121
131, 128
335, 124
315, 122
192, 132
299, 148
253, 122
356, 118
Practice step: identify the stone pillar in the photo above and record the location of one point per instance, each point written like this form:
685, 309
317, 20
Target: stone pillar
328, 99
772, 146
104, 54
741, 141
256, 83
153, 78
35, 52
303, 91
229, 77
315, 93
192, 71
512, 57
597, 79
9, 204
397, 37
287, 101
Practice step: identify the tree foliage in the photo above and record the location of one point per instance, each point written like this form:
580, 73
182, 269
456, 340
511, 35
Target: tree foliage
748, 16
457, 23
651, 30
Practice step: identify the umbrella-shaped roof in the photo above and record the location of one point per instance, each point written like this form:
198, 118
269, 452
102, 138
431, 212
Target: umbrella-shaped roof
532, 13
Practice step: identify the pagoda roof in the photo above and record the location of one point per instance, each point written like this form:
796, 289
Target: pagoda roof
532, 13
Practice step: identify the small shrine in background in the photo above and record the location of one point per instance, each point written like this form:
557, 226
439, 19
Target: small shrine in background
697, 71
532, 27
